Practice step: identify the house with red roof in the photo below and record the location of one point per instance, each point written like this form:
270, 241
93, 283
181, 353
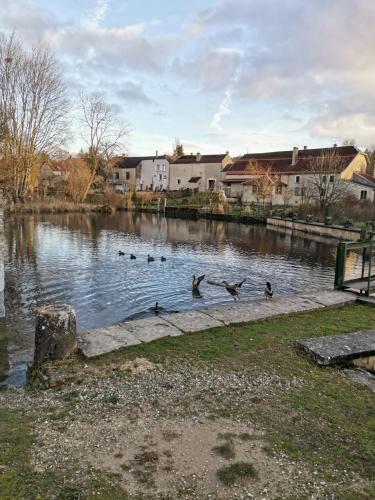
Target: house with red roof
286, 177
198, 172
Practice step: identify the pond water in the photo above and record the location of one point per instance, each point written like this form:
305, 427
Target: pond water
73, 258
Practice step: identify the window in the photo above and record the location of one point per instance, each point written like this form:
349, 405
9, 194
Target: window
178, 181
279, 189
324, 178
160, 177
163, 168
331, 178
127, 175
158, 167
363, 195
164, 177
116, 175
298, 178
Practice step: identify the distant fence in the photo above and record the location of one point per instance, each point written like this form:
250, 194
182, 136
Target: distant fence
318, 228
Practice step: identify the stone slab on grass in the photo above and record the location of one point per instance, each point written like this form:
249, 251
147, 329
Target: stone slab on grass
340, 348
102, 340
332, 297
150, 329
192, 321
370, 301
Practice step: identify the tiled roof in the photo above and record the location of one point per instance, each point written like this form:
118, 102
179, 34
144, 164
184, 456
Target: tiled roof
365, 179
280, 162
134, 161
202, 159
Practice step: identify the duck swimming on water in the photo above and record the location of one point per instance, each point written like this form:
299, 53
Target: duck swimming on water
163, 259
121, 253
156, 308
268, 292
150, 259
132, 257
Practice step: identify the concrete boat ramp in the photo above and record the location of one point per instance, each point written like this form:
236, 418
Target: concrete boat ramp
94, 342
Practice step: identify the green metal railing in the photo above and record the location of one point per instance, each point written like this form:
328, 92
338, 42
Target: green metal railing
366, 282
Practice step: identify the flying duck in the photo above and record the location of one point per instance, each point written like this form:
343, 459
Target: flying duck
121, 253
195, 285
132, 257
268, 292
232, 289
150, 259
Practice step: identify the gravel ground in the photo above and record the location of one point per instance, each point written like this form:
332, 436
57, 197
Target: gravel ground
158, 430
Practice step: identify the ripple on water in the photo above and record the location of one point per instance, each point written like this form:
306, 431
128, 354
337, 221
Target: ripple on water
73, 258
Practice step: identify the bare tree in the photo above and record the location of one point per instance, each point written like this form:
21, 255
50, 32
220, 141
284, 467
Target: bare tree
326, 186
103, 133
77, 178
33, 109
263, 180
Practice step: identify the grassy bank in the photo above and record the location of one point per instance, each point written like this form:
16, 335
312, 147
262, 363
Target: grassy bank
50, 207
282, 423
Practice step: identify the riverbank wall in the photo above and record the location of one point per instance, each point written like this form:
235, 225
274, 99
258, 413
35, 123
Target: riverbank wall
318, 228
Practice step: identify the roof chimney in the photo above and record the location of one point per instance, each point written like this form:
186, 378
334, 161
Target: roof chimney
156, 154
294, 156
198, 157
305, 147
335, 146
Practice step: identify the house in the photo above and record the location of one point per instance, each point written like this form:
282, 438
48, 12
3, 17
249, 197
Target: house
53, 174
288, 177
198, 172
140, 173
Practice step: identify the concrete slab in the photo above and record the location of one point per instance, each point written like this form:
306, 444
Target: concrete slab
150, 329
330, 298
340, 348
291, 305
102, 340
192, 321
240, 312
370, 301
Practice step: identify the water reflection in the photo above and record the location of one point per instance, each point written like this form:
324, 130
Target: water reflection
74, 258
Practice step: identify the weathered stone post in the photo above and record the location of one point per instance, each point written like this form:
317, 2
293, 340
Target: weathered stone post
2, 242
55, 339
55, 333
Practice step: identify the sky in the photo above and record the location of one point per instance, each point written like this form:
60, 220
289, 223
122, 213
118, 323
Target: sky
219, 75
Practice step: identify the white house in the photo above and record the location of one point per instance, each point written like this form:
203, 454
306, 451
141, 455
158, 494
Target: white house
142, 173
198, 172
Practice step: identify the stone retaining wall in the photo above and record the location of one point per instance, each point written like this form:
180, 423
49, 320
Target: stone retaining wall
318, 228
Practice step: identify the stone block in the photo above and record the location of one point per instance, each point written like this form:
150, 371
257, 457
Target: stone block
192, 321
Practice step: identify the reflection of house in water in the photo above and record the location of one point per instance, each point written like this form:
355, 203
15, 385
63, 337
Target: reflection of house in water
4, 356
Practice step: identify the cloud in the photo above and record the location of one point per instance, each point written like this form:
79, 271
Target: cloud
224, 110
134, 93
93, 19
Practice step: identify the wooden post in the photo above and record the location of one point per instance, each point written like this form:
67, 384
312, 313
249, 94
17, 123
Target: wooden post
55, 333
340, 265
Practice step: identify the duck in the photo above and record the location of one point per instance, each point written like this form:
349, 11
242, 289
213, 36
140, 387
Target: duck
268, 292
132, 257
232, 289
120, 252
150, 259
163, 259
195, 286
156, 308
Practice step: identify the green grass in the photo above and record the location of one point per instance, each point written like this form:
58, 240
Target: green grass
225, 450
329, 420
326, 420
235, 473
